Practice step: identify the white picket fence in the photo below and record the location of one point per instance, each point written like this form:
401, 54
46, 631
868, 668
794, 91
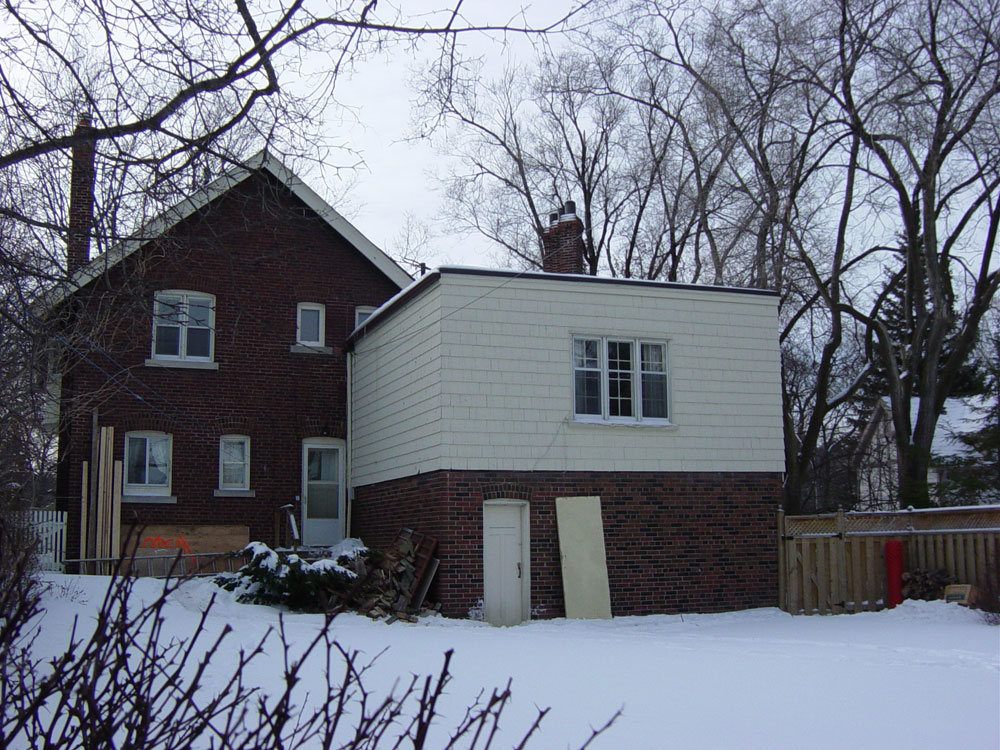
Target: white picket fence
49, 527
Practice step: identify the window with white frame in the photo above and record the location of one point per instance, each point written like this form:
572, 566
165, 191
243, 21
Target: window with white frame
234, 462
620, 380
310, 328
147, 463
183, 326
362, 313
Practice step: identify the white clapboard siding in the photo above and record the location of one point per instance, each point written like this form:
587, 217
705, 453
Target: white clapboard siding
476, 373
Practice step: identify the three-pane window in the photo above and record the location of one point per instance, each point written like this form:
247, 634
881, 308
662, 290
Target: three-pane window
620, 380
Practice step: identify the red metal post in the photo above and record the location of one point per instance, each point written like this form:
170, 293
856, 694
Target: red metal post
894, 571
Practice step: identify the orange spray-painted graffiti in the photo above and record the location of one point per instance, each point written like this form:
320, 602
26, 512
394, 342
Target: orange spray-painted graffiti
158, 542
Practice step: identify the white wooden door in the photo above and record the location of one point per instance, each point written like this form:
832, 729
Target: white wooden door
505, 564
322, 491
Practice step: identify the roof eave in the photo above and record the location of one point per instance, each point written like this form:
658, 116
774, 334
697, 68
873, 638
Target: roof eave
205, 195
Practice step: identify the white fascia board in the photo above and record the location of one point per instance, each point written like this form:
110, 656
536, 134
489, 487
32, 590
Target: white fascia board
202, 197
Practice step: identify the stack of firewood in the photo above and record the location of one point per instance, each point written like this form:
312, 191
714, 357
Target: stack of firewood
926, 584
386, 586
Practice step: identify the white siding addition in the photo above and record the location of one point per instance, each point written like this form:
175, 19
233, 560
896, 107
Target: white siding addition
476, 371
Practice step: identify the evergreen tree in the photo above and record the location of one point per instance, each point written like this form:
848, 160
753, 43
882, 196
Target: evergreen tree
973, 476
896, 313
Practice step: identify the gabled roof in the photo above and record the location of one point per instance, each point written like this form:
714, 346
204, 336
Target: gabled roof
260, 162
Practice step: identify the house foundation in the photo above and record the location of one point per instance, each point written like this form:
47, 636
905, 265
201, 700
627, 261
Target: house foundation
675, 541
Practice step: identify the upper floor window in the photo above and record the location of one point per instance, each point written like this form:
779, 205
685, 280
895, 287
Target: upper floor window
183, 326
147, 463
620, 380
362, 313
310, 329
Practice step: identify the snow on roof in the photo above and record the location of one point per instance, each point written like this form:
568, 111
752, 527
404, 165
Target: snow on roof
960, 417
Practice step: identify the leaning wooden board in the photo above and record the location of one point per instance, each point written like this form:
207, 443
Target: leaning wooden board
584, 564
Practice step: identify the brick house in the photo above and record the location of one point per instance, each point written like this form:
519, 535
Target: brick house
217, 355
464, 406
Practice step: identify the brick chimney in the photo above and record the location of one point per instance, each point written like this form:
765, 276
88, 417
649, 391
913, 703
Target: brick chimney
562, 241
81, 199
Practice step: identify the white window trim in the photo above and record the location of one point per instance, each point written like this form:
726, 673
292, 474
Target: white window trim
182, 359
604, 417
366, 311
321, 309
149, 492
245, 486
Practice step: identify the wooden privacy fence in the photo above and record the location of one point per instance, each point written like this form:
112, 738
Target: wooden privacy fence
835, 563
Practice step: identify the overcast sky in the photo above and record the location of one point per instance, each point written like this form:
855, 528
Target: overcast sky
398, 175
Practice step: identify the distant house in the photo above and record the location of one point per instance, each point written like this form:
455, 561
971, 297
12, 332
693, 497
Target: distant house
876, 459
268, 352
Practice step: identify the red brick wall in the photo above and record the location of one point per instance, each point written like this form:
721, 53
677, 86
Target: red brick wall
564, 247
260, 251
675, 542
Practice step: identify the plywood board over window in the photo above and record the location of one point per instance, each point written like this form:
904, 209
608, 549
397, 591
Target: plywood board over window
584, 565
193, 539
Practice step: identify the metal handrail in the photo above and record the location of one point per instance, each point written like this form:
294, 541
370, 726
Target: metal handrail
166, 566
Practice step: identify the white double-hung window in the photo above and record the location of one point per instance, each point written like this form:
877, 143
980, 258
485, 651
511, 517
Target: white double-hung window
310, 326
183, 326
620, 380
234, 462
147, 463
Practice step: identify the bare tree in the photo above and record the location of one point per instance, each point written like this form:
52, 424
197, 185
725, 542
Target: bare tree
173, 92
411, 245
731, 86
920, 91
850, 119
534, 139
124, 681
166, 96
807, 144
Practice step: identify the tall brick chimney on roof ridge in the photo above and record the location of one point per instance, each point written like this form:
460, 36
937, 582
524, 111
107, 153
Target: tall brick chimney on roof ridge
81, 199
562, 241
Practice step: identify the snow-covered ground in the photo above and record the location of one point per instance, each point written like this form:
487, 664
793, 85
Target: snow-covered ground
925, 675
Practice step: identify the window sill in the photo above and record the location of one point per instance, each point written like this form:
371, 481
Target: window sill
182, 364
310, 349
628, 425
162, 499
235, 493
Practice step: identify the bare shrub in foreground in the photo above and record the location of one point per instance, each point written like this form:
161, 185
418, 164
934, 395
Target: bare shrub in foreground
128, 685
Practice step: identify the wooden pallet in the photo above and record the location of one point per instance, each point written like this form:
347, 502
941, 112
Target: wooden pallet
399, 581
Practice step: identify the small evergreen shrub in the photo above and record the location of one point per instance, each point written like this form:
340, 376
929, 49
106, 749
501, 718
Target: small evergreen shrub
279, 578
